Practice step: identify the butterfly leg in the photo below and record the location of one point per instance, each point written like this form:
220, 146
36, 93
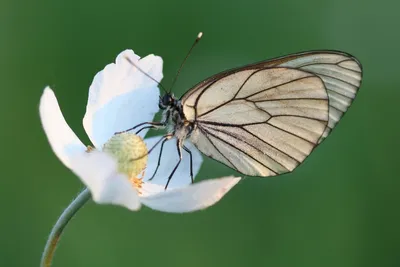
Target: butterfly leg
167, 136
159, 156
146, 127
151, 124
179, 149
191, 162
162, 139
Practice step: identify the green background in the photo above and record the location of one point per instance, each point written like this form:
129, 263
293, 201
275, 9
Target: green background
340, 208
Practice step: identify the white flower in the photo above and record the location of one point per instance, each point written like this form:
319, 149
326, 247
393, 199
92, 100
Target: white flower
119, 98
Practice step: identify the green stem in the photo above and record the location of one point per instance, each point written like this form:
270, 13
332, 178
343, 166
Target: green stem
62, 222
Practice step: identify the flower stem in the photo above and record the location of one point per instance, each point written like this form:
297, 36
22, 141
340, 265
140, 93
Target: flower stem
61, 223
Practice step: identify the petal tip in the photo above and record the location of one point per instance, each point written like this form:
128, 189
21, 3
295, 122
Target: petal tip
47, 88
47, 92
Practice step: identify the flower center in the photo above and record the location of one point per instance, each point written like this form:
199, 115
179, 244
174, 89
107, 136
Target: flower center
130, 151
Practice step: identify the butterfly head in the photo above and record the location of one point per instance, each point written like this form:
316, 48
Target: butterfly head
166, 101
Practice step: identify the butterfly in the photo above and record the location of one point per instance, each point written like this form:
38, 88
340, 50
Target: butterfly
262, 119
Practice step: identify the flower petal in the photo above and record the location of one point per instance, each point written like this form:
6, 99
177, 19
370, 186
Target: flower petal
121, 96
98, 171
62, 139
169, 160
151, 189
191, 198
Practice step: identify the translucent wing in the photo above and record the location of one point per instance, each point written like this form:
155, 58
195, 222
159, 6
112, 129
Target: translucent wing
261, 122
340, 72
341, 75
265, 119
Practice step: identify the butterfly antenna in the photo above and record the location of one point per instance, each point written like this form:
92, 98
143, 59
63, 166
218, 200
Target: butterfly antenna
183, 62
147, 75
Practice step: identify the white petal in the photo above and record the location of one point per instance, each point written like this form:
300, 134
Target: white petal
121, 96
149, 189
98, 171
168, 161
63, 140
191, 198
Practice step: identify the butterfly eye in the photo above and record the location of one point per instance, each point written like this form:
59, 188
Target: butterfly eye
166, 100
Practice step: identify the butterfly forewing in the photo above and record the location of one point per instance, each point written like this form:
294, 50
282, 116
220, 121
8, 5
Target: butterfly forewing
261, 122
340, 72
264, 119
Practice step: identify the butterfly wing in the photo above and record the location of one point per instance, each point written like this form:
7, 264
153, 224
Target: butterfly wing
340, 72
265, 119
261, 122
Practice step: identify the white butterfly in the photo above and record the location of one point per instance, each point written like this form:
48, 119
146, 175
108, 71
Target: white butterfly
263, 119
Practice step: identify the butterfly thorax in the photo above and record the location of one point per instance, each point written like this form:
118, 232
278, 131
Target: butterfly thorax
174, 117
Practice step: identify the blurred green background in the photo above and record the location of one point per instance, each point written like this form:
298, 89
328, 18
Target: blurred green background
340, 208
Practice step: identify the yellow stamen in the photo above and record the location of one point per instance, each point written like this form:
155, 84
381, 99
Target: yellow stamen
137, 182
